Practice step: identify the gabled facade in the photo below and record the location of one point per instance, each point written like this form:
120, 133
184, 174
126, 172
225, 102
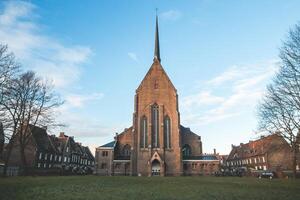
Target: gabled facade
270, 153
156, 142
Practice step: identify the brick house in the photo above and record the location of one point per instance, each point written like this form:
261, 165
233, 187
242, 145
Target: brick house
48, 154
41, 155
156, 143
271, 153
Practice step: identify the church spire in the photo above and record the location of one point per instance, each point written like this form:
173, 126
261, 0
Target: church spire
156, 48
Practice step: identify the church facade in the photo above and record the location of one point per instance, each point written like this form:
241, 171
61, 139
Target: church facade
156, 143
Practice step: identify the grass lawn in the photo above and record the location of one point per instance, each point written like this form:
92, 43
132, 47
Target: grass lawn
142, 188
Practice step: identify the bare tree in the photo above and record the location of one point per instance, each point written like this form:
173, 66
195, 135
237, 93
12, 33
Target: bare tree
2, 139
8, 65
28, 102
280, 109
9, 69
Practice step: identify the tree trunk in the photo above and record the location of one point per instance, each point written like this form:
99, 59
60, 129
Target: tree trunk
294, 161
7, 157
23, 160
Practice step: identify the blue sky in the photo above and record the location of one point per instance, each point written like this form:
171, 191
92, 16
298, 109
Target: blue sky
219, 55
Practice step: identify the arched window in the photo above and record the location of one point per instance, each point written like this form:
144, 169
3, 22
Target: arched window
143, 136
167, 132
186, 150
126, 150
155, 126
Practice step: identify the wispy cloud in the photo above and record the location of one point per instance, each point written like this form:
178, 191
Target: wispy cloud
171, 15
133, 56
35, 49
229, 94
76, 100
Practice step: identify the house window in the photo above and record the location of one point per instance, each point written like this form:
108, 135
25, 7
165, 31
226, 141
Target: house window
250, 160
155, 126
65, 159
126, 150
117, 166
50, 157
104, 153
59, 158
143, 136
45, 156
39, 165
45, 165
103, 166
254, 160
263, 159
194, 165
40, 156
55, 157
50, 165
167, 132
265, 167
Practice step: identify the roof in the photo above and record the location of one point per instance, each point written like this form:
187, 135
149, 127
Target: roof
203, 157
110, 144
42, 139
257, 147
186, 130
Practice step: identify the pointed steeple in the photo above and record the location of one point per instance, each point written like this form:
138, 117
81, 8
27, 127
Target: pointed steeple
156, 48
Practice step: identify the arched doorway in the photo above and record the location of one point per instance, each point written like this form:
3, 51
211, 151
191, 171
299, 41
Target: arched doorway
155, 168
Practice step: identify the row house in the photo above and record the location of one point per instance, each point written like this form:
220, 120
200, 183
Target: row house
47, 154
271, 153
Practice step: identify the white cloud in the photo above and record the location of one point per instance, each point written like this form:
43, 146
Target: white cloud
46, 55
133, 56
229, 94
171, 15
200, 99
76, 100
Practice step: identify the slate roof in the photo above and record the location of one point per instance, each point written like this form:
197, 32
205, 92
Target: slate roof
185, 130
203, 157
42, 139
110, 144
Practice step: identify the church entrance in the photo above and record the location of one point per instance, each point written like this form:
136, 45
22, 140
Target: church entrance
155, 168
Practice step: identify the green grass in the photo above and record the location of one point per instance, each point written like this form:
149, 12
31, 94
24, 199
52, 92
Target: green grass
127, 188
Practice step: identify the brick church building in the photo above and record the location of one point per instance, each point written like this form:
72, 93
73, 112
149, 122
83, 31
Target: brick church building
156, 143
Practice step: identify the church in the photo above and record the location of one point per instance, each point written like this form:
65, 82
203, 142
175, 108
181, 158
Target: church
156, 144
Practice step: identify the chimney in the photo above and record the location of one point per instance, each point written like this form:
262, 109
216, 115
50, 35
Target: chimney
62, 134
116, 137
215, 152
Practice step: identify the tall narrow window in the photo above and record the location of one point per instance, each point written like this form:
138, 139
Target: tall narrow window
155, 126
143, 136
167, 132
186, 150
